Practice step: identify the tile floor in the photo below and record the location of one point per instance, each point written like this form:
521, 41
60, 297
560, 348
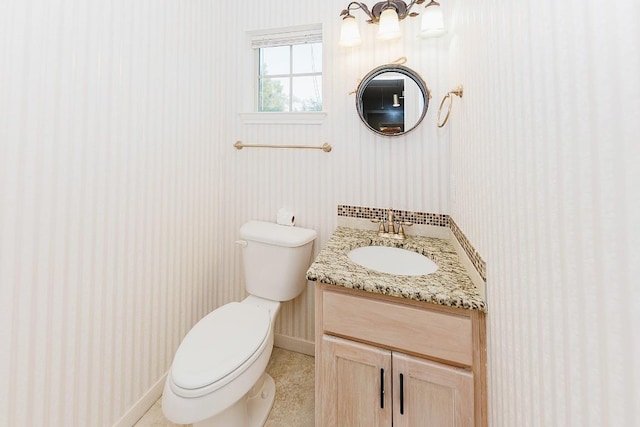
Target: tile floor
294, 402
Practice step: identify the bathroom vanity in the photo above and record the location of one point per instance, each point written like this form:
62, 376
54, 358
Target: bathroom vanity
394, 349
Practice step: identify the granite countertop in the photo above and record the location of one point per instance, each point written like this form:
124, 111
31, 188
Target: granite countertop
449, 285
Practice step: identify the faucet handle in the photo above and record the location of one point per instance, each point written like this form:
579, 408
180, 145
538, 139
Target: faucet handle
380, 224
401, 226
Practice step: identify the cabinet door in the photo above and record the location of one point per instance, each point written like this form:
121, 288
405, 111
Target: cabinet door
431, 394
355, 385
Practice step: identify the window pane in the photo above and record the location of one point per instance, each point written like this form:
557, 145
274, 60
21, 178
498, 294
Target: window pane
307, 93
274, 94
275, 60
307, 58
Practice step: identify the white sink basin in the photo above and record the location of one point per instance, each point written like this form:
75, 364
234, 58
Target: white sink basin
400, 262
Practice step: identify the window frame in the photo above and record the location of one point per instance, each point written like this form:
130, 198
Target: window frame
288, 36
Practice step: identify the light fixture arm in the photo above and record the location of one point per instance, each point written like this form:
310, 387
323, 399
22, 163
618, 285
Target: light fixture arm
409, 6
403, 9
357, 5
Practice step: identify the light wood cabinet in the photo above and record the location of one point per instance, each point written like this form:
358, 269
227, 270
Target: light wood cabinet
433, 394
357, 379
381, 361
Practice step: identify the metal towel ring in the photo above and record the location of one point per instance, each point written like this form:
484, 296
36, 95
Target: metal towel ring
457, 92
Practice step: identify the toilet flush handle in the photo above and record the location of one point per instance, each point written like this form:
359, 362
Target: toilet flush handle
242, 243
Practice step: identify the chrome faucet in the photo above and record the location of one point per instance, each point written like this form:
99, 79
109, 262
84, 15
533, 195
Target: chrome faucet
388, 228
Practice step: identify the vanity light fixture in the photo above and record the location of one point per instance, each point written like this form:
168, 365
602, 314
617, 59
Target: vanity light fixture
432, 21
396, 100
388, 14
389, 23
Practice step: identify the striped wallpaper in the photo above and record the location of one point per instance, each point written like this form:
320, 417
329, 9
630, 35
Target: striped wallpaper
121, 194
363, 169
109, 201
544, 174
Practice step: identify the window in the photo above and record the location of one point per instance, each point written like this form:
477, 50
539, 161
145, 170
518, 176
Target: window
289, 77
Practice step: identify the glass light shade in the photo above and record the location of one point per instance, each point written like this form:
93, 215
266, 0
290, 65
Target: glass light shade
396, 100
389, 25
349, 32
432, 21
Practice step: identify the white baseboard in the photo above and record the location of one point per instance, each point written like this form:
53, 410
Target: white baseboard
142, 405
295, 344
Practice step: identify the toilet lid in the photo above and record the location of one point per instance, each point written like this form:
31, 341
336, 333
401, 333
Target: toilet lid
219, 343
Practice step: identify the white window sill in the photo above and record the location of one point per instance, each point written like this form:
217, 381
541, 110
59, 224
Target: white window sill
306, 118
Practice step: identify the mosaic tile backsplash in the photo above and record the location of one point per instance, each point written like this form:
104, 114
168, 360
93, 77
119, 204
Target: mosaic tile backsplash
423, 218
477, 261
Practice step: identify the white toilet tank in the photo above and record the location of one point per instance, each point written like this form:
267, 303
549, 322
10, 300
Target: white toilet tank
276, 258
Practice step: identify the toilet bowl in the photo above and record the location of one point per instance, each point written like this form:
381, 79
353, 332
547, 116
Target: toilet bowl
218, 377
220, 363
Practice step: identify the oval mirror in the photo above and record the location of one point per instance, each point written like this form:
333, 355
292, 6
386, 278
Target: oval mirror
392, 100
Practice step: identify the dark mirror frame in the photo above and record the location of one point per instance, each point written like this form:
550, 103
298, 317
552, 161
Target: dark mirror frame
391, 68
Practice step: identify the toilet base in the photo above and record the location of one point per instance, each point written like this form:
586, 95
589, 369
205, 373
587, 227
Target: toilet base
250, 411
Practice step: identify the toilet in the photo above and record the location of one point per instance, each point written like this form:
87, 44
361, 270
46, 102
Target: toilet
218, 377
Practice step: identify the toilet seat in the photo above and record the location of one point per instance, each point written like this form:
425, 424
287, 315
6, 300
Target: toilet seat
219, 348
